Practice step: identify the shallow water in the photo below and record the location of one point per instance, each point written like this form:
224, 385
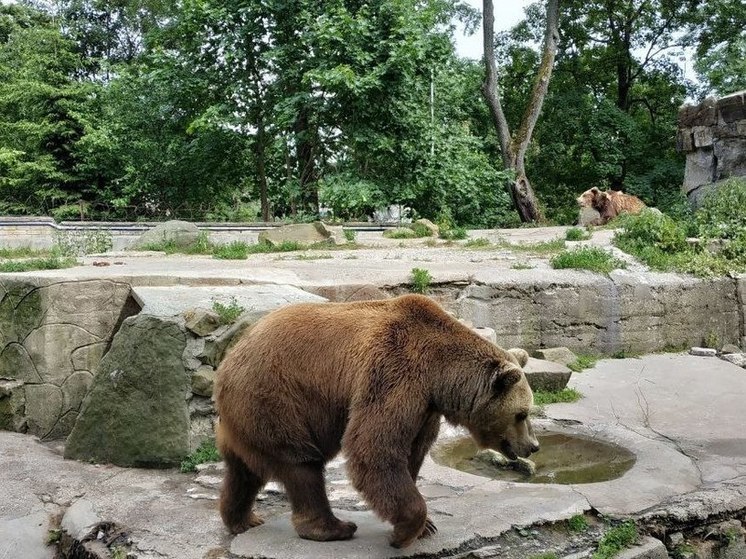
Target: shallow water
563, 459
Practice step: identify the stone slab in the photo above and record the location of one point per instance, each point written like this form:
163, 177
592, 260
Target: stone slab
172, 301
546, 375
647, 548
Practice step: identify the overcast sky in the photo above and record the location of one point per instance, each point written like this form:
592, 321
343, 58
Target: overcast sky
507, 14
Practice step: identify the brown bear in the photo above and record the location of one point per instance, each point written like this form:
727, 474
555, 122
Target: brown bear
609, 204
372, 379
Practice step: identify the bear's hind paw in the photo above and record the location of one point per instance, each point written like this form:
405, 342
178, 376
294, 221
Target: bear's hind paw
429, 530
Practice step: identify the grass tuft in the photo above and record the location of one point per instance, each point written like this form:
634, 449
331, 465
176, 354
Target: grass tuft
587, 258
615, 540
421, 280
577, 523
237, 250
583, 362
577, 234
207, 452
564, 396
49, 263
228, 313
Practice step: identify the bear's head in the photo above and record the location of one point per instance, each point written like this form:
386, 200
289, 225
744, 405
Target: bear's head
593, 198
501, 420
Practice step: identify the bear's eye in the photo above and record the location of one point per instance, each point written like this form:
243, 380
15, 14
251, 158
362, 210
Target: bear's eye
521, 416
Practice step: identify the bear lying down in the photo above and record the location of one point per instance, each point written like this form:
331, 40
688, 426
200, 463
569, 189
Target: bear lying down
371, 378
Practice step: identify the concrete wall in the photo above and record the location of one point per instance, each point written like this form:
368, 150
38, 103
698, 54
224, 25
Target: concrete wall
53, 335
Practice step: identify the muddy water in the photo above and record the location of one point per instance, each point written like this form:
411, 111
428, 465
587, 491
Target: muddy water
562, 459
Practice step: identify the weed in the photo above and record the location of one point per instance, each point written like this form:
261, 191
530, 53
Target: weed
54, 536
479, 242
711, 340
207, 452
237, 250
22, 252
201, 245
587, 258
454, 234
564, 396
118, 553
421, 280
616, 539
577, 234
350, 235
583, 362
228, 313
523, 266
49, 263
577, 523
313, 256
683, 550
399, 233
82, 242
421, 230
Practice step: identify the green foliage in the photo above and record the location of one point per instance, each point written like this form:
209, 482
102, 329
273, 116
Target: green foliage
27, 265
544, 247
54, 536
350, 235
22, 252
587, 258
564, 396
616, 539
479, 242
421, 230
236, 250
722, 217
583, 362
81, 242
522, 266
577, 234
228, 313
400, 233
577, 523
421, 280
651, 229
207, 452
453, 234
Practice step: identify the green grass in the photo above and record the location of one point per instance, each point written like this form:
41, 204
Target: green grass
577, 234
399, 233
49, 263
577, 523
479, 242
201, 246
583, 362
54, 535
453, 234
421, 230
207, 452
615, 540
587, 258
421, 280
237, 250
23, 252
564, 396
544, 247
523, 266
350, 235
228, 313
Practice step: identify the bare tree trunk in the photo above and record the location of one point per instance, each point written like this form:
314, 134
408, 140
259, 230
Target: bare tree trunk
261, 170
513, 149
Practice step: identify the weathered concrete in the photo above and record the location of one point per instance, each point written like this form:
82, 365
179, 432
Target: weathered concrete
681, 415
647, 548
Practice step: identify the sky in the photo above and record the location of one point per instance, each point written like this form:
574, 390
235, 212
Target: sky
507, 14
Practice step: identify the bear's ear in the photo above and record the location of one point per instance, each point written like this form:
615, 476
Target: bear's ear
505, 377
595, 190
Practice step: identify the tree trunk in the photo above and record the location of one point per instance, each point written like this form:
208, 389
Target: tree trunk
513, 149
261, 170
306, 154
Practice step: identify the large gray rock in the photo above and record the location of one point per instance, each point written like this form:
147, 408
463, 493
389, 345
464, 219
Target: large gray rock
178, 233
647, 548
136, 412
303, 233
713, 136
12, 404
588, 216
560, 355
545, 375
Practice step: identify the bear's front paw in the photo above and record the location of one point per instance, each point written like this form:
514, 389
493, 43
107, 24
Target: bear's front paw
429, 529
250, 521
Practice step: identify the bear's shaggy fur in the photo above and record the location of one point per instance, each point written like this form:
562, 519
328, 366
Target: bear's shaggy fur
609, 204
372, 378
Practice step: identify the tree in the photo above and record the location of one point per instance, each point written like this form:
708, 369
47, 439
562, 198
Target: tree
513, 147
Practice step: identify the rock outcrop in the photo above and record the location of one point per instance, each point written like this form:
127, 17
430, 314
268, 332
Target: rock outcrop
713, 137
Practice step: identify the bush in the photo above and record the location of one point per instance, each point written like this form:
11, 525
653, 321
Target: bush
651, 228
577, 234
421, 280
722, 216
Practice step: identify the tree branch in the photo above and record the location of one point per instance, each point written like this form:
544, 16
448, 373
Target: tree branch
489, 87
541, 85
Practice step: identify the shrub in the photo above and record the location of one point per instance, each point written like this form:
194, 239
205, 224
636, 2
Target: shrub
421, 280
722, 216
453, 234
587, 258
237, 250
651, 228
421, 230
576, 234
228, 313
205, 453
